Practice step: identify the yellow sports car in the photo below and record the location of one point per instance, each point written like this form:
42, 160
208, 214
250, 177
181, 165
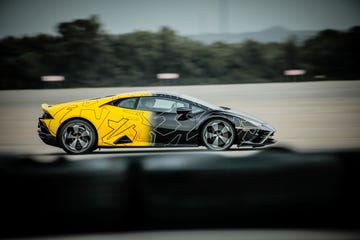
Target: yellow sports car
145, 119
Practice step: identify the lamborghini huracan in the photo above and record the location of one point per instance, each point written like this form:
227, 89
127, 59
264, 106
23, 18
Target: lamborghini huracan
148, 119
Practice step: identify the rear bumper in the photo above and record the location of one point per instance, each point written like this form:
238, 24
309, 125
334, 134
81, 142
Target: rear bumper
45, 135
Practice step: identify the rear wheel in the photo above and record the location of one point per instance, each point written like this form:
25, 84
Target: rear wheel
218, 135
77, 136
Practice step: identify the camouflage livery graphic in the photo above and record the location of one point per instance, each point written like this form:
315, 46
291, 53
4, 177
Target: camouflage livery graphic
146, 119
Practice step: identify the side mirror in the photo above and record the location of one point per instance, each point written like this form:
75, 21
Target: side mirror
185, 112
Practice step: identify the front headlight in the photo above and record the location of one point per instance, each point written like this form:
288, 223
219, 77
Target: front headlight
255, 123
248, 124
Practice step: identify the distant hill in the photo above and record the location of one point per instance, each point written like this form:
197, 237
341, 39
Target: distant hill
273, 34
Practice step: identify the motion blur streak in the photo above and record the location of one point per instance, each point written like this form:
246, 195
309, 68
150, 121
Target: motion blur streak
307, 115
276, 188
162, 190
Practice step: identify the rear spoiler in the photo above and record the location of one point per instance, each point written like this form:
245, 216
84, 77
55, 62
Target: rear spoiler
45, 106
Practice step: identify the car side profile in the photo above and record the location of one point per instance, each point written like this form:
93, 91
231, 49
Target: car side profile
148, 119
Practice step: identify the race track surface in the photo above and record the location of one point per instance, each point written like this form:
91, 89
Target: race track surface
307, 115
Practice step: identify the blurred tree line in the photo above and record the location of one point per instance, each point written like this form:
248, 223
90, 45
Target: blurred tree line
88, 57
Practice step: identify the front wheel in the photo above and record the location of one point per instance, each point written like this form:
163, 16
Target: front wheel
77, 136
218, 135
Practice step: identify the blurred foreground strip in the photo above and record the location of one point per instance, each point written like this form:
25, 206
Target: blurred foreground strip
276, 188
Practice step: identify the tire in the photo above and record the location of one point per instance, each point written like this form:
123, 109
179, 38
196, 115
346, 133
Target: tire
218, 134
77, 137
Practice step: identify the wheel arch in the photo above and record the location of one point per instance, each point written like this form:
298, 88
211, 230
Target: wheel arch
58, 133
214, 117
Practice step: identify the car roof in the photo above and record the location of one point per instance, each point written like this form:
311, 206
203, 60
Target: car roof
168, 94
151, 93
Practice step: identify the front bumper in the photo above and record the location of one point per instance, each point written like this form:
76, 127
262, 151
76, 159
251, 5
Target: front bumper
256, 137
45, 135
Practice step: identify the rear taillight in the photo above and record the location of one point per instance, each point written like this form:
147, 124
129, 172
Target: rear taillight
46, 115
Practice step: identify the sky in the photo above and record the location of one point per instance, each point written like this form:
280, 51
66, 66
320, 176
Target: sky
186, 17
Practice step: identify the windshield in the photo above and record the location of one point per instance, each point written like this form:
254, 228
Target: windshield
200, 101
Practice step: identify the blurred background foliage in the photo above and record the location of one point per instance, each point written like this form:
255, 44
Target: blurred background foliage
89, 57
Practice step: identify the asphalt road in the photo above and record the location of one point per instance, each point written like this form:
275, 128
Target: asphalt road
307, 115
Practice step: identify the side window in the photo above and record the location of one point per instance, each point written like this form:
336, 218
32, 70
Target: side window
127, 103
160, 104
195, 109
147, 103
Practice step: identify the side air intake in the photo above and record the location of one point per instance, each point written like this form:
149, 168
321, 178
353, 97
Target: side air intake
122, 140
